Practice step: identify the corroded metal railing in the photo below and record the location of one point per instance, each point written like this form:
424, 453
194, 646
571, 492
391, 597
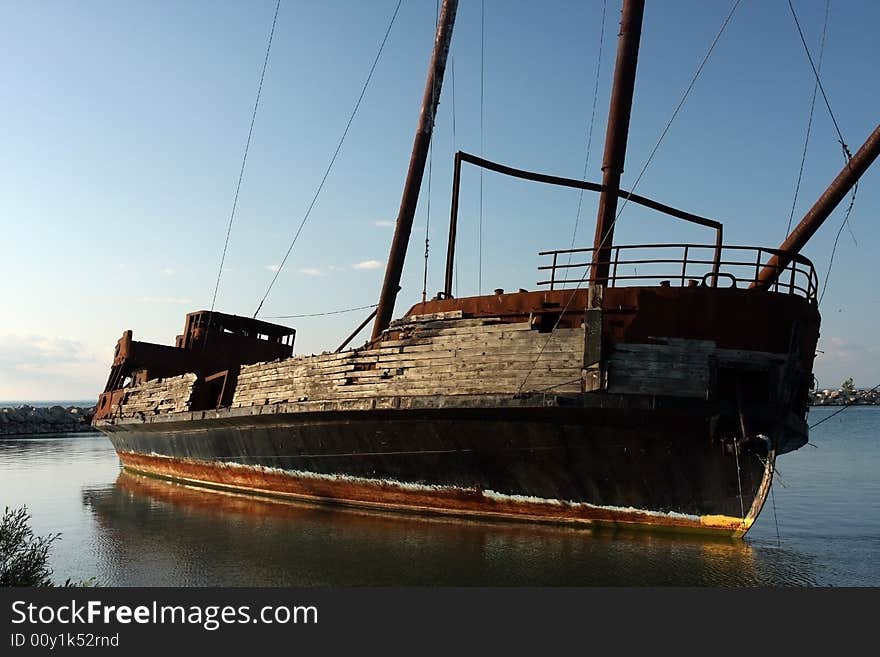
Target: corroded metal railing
684, 265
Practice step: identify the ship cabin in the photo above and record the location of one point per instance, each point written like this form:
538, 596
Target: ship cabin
213, 347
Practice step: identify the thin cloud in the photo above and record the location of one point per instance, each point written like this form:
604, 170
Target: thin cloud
168, 271
839, 358
384, 223
368, 264
48, 367
273, 268
34, 351
310, 271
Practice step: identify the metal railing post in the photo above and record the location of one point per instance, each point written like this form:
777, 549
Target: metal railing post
684, 264
453, 227
757, 264
716, 266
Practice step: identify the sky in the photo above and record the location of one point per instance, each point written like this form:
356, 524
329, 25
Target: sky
123, 125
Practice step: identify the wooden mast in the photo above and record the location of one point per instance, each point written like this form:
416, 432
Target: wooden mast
403, 228
615, 137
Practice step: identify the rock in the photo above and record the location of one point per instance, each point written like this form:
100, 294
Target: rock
56, 419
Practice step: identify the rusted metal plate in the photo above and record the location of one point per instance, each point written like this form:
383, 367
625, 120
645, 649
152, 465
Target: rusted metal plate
513, 306
733, 318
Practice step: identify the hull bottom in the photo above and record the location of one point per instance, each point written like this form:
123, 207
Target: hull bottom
395, 496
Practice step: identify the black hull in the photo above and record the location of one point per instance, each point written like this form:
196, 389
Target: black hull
593, 465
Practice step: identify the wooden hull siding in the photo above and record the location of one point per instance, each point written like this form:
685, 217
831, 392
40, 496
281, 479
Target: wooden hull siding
626, 465
171, 395
503, 417
455, 357
443, 356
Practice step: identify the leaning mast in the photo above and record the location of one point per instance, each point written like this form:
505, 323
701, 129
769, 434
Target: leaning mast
410, 199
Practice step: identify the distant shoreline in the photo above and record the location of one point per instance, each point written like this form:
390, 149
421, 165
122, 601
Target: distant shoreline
29, 419
841, 397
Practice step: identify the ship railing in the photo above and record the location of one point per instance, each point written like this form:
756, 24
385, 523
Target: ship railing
683, 265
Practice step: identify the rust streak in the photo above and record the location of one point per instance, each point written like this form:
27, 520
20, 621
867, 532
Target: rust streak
391, 497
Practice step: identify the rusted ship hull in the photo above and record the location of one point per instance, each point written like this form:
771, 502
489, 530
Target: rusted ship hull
457, 411
650, 385
623, 467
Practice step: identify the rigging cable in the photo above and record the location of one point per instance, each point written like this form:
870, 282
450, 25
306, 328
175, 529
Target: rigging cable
332, 159
632, 191
845, 222
672, 118
452, 73
243, 163
430, 167
809, 122
329, 312
428, 222
773, 500
482, 77
819, 82
742, 426
577, 217
846, 152
454, 141
589, 137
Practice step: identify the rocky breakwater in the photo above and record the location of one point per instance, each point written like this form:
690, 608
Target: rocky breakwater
843, 397
38, 420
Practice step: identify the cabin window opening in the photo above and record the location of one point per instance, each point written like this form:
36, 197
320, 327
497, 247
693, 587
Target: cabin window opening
215, 392
547, 321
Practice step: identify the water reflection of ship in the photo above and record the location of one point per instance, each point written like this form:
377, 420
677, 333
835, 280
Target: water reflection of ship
163, 533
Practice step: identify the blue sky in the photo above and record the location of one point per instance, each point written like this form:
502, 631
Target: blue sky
122, 128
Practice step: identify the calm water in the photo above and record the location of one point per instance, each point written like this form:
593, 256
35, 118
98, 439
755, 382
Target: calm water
128, 531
